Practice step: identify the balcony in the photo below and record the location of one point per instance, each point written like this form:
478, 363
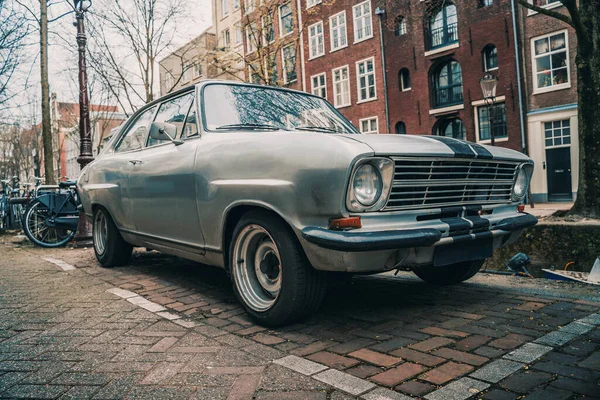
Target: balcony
442, 36
448, 96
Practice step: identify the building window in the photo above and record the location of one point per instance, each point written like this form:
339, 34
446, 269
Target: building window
368, 125
404, 78
268, 28
450, 127
363, 28
447, 84
286, 23
557, 133
365, 76
289, 63
400, 26
498, 120
485, 3
224, 8
341, 87
249, 6
236, 4
197, 70
251, 38
312, 3
187, 70
316, 45
226, 38
319, 85
551, 61
401, 128
271, 68
238, 35
338, 34
490, 58
443, 27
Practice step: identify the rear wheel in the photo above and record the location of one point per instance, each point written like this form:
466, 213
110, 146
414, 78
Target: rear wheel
271, 275
450, 274
36, 229
110, 248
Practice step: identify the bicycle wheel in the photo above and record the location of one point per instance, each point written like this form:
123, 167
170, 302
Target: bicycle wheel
39, 232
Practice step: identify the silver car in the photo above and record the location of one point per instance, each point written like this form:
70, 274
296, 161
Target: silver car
278, 188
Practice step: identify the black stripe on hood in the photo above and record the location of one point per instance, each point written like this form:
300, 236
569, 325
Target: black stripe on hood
462, 149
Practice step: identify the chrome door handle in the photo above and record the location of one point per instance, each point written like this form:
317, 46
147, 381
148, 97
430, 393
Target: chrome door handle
134, 162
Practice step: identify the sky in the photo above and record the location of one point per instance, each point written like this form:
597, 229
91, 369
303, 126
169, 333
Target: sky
63, 60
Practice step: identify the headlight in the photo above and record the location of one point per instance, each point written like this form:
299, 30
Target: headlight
370, 184
522, 181
367, 185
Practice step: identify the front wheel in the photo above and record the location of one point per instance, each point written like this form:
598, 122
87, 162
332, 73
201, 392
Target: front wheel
271, 275
450, 274
36, 229
110, 248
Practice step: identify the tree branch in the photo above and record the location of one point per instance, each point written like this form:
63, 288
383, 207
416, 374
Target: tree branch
545, 11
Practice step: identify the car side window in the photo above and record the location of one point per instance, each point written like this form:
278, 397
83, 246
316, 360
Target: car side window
136, 135
173, 112
191, 127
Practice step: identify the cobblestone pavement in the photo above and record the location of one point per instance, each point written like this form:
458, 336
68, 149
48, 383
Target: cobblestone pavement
167, 328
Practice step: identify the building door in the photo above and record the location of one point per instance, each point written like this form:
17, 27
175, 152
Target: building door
558, 160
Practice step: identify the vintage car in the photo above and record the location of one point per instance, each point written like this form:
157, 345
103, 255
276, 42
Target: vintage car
278, 188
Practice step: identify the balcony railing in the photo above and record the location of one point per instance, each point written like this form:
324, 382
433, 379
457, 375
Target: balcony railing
448, 96
443, 36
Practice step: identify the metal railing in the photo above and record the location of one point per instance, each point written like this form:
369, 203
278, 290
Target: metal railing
443, 36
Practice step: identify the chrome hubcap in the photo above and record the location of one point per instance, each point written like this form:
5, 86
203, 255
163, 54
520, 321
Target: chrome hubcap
100, 232
257, 268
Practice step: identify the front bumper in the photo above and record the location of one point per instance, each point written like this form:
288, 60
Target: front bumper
380, 249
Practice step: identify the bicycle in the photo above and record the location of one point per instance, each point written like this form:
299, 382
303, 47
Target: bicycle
11, 204
51, 220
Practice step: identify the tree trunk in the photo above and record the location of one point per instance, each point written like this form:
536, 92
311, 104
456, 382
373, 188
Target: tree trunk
46, 129
588, 81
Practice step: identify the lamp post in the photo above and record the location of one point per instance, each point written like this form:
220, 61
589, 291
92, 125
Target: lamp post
489, 83
85, 131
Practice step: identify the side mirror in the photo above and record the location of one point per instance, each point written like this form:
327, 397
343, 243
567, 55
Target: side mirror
163, 131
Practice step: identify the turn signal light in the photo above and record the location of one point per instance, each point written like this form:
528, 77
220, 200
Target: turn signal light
521, 208
340, 224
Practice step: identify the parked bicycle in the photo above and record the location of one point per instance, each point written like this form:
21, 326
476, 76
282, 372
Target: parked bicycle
52, 218
12, 202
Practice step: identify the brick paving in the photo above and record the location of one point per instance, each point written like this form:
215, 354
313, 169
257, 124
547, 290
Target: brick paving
167, 328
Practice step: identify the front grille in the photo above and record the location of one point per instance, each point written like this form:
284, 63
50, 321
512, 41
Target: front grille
434, 182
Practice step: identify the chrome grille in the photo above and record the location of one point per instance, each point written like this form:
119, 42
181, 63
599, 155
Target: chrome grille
435, 182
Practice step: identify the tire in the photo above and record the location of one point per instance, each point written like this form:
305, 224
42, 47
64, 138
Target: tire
110, 248
34, 226
284, 287
450, 274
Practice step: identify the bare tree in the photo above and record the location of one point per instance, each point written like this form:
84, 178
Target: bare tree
584, 17
126, 40
12, 33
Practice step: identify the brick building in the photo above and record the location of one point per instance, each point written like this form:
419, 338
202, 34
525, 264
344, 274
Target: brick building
549, 50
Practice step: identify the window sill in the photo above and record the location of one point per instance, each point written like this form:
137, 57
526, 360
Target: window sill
314, 5
287, 34
315, 57
553, 88
363, 39
492, 69
479, 103
343, 106
443, 110
442, 49
337, 48
546, 7
496, 140
406, 90
366, 100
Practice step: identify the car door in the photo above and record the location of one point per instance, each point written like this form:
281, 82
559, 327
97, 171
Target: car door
114, 168
162, 184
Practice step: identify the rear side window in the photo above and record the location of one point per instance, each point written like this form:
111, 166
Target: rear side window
135, 137
173, 112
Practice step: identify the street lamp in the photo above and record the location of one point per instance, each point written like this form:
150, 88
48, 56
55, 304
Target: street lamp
85, 134
489, 83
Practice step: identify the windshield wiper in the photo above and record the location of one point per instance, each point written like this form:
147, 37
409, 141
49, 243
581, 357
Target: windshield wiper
249, 126
316, 129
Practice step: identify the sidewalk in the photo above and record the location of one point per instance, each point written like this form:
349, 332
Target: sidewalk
167, 328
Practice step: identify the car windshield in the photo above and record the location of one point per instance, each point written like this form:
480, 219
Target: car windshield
239, 107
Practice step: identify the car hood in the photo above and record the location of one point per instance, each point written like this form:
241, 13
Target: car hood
421, 145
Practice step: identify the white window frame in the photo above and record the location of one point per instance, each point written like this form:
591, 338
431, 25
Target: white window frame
481, 103
236, 4
358, 76
264, 38
317, 37
239, 35
485, 60
224, 10
197, 69
364, 18
551, 88
555, 4
552, 121
340, 30
369, 132
349, 91
226, 38
283, 69
249, 6
403, 86
312, 3
251, 44
186, 72
320, 87
281, 34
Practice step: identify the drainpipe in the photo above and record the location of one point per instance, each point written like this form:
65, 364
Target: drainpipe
380, 13
519, 86
301, 45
